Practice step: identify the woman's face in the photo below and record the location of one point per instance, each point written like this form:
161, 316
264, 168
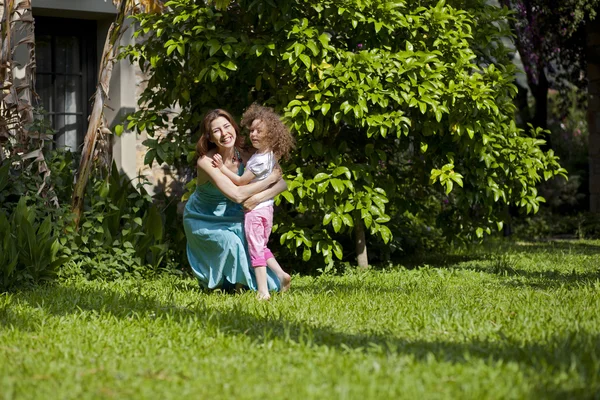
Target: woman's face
222, 133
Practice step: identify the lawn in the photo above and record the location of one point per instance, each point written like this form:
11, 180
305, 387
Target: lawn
506, 321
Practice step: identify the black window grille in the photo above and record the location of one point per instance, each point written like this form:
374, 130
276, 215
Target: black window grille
66, 75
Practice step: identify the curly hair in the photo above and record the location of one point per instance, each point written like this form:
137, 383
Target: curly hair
278, 137
204, 144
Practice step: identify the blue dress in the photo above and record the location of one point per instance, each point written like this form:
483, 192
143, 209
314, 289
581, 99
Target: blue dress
216, 244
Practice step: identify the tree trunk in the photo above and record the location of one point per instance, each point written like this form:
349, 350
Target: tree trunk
6, 81
96, 123
593, 112
523, 114
361, 244
16, 112
540, 93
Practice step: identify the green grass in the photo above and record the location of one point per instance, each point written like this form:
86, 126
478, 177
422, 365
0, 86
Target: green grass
512, 321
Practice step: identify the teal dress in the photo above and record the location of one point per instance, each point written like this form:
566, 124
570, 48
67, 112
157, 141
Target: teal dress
216, 244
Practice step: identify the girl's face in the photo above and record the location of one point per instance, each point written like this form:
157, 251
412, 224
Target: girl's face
258, 135
222, 133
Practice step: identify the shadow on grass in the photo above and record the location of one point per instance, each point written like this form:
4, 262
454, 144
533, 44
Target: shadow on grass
546, 279
561, 352
434, 260
543, 246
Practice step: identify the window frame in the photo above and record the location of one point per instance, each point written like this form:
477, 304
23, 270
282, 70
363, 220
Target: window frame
85, 30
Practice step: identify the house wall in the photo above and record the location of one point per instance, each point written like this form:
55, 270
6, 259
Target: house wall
126, 84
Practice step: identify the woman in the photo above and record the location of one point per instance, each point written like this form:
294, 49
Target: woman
213, 216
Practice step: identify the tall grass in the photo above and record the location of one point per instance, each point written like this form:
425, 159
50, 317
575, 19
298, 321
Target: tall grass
512, 321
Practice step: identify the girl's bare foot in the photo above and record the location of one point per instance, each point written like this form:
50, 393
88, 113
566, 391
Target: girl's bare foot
285, 279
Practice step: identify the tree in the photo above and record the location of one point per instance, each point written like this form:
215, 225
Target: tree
16, 112
97, 122
550, 38
593, 75
397, 109
557, 41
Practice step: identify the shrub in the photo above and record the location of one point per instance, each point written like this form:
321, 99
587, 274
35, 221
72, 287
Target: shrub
397, 103
29, 247
122, 231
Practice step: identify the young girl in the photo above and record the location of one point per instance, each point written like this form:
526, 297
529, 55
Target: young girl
272, 141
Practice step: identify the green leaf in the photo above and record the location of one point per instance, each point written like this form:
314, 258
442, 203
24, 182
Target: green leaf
214, 46
229, 65
341, 170
321, 176
150, 156
154, 223
305, 59
288, 196
317, 147
337, 250
337, 223
449, 186
385, 233
306, 254
310, 124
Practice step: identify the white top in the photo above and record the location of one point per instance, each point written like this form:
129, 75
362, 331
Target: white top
261, 165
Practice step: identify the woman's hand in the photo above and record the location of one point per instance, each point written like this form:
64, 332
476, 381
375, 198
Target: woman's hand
252, 202
276, 174
237, 194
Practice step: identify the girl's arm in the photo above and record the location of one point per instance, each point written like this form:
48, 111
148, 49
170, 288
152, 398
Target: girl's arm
235, 193
280, 186
245, 179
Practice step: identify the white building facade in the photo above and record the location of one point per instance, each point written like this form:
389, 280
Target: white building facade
70, 36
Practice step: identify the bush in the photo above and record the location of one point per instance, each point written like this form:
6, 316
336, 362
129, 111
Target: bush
390, 102
122, 232
29, 248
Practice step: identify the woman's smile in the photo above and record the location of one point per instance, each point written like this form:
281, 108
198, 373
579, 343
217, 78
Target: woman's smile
222, 132
226, 139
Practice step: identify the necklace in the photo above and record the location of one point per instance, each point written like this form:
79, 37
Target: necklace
236, 155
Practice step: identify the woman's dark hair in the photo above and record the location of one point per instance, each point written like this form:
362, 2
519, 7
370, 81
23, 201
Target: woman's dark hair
204, 144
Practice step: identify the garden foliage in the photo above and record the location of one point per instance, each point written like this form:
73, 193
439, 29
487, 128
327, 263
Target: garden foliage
402, 111
31, 219
122, 230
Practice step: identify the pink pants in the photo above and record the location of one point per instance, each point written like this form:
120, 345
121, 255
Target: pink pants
258, 224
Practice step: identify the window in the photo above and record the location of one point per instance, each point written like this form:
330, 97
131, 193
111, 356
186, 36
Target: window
66, 75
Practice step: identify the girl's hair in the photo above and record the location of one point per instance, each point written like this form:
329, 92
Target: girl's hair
204, 144
278, 136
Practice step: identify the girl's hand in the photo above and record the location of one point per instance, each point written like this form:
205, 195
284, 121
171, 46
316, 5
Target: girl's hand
251, 202
217, 161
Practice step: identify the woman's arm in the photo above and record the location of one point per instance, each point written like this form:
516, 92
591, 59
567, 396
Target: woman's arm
236, 193
280, 186
245, 179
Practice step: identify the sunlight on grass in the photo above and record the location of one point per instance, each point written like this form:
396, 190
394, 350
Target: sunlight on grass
508, 321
